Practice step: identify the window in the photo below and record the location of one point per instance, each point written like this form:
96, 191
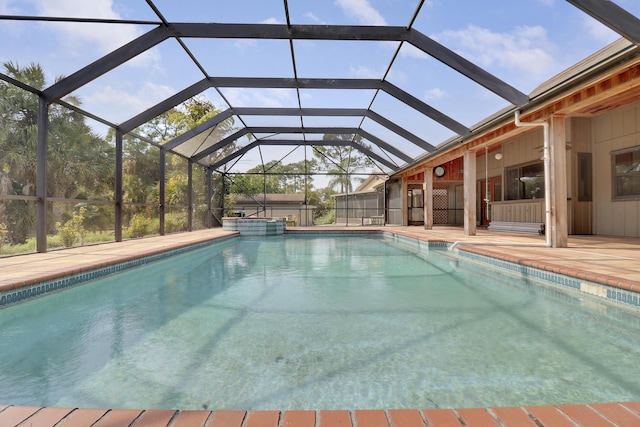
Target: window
626, 173
525, 182
585, 177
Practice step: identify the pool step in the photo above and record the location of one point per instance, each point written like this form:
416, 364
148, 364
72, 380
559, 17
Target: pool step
255, 226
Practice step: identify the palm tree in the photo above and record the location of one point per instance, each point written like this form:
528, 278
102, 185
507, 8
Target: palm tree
341, 161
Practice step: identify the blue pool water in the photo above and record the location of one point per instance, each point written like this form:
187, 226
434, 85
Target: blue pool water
315, 323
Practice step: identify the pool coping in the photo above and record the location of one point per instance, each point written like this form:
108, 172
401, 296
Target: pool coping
608, 414
600, 414
16, 292
610, 287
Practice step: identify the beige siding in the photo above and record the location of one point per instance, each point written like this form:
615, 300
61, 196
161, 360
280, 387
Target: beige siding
518, 211
614, 130
524, 148
492, 169
579, 136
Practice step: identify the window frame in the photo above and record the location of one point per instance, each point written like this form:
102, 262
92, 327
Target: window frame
614, 175
506, 181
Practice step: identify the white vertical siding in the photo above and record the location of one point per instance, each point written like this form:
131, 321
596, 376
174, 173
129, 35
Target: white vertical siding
614, 130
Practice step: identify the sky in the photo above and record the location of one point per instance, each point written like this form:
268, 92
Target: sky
522, 43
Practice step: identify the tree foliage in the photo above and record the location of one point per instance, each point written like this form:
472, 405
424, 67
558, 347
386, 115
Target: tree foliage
79, 163
275, 177
342, 160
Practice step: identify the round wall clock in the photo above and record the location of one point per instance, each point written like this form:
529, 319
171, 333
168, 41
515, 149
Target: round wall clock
439, 171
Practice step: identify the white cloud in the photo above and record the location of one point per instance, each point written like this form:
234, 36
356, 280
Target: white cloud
364, 72
312, 17
434, 93
275, 98
362, 11
272, 21
410, 51
80, 38
526, 49
598, 31
117, 104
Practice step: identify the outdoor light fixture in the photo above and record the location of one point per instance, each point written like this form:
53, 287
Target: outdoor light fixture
498, 155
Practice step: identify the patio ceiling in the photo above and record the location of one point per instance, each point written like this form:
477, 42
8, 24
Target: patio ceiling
387, 120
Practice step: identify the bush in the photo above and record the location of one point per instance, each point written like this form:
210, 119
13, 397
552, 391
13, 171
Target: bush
3, 234
139, 226
326, 219
72, 230
175, 222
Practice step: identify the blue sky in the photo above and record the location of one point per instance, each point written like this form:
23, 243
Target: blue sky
521, 42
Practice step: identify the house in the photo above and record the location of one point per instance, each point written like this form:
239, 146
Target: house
570, 159
291, 206
364, 206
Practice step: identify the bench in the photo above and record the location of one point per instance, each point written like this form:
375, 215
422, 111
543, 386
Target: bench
517, 227
377, 220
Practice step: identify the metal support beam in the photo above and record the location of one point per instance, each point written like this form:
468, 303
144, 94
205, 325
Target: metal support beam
190, 196
106, 63
283, 142
209, 196
467, 68
286, 32
425, 109
337, 112
118, 187
342, 32
202, 127
302, 130
162, 190
165, 105
41, 175
613, 16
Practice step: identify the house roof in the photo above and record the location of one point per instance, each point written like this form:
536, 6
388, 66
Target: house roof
604, 80
271, 198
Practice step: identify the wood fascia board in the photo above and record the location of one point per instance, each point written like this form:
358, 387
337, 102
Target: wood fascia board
614, 83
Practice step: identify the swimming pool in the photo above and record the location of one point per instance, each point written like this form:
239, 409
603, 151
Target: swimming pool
321, 323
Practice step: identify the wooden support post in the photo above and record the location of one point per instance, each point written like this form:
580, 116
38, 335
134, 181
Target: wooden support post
469, 193
559, 215
428, 198
405, 202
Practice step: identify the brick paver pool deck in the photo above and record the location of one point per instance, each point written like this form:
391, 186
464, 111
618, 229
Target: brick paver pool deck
612, 261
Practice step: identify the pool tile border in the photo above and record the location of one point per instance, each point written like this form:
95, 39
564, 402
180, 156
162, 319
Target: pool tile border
615, 291
30, 291
612, 289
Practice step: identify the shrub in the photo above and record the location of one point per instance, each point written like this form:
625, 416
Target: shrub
72, 231
139, 226
175, 222
3, 234
328, 218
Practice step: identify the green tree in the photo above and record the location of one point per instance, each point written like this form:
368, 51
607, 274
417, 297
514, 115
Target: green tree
341, 161
141, 160
275, 177
79, 163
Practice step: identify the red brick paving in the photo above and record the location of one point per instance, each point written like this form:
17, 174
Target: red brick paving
595, 415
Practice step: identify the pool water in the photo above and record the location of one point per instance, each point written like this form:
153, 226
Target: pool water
315, 323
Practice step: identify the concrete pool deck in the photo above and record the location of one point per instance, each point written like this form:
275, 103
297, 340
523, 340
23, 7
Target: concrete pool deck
613, 261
